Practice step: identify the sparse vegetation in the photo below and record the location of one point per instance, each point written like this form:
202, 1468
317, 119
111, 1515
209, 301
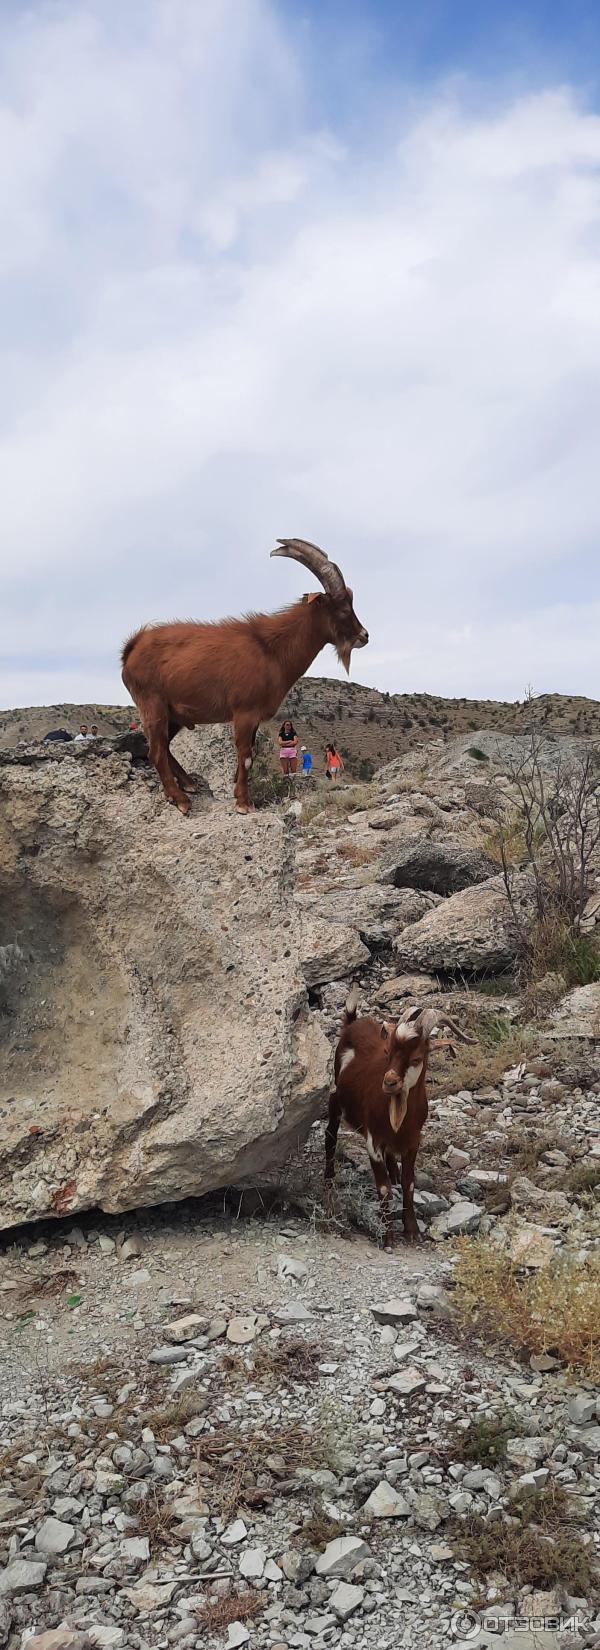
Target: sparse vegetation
555, 1310
484, 1440
555, 839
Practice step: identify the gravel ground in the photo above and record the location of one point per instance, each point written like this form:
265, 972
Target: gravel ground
196, 1408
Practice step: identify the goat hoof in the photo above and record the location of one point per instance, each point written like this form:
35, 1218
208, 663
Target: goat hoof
192, 783
184, 806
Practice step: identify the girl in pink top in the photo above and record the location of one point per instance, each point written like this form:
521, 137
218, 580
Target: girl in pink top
288, 748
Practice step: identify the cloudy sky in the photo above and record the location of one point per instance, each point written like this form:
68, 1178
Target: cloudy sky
326, 269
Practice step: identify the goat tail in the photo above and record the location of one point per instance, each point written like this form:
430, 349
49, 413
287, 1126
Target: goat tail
129, 644
351, 1005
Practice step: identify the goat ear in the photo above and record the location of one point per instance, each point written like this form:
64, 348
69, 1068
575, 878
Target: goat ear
312, 596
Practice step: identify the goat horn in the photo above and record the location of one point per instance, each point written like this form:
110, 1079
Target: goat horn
430, 1019
311, 556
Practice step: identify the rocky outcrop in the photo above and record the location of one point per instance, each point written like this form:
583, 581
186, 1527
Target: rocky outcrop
577, 1016
470, 933
156, 1038
378, 913
440, 867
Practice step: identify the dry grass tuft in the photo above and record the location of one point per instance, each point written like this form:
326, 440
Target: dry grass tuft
319, 1529
236, 1468
166, 1422
155, 1520
217, 1613
482, 1064
556, 1310
288, 1362
357, 853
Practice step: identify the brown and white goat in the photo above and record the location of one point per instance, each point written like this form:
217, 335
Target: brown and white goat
237, 671
380, 1091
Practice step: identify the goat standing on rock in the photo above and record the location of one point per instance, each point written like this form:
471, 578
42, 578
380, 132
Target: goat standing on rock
237, 671
380, 1073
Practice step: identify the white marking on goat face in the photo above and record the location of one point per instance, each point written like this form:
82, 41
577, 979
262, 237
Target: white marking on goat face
411, 1077
346, 1057
247, 761
375, 1152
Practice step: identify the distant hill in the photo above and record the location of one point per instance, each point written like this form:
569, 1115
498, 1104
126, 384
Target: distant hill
369, 727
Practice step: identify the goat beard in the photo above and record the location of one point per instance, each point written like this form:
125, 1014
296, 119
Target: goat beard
398, 1108
344, 653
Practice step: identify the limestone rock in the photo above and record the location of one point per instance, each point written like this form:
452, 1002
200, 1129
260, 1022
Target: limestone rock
22, 1576
341, 1556
532, 1248
471, 931
395, 1311
54, 1536
384, 1502
328, 950
461, 1217
175, 1052
346, 1599
577, 1016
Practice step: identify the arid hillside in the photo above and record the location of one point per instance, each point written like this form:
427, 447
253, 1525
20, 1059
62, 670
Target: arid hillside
369, 727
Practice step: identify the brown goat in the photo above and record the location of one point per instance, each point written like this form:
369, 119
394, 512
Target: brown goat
237, 671
380, 1073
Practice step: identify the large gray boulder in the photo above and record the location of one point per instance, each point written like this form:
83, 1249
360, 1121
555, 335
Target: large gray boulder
155, 1033
441, 866
379, 913
471, 932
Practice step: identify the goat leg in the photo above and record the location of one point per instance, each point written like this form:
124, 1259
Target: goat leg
244, 733
188, 781
154, 717
331, 1134
409, 1220
384, 1192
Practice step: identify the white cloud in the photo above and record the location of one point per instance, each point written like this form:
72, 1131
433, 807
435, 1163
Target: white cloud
221, 325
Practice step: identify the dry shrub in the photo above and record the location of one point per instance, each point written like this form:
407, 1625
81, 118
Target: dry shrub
484, 1440
526, 1556
217, 1613
555, 1310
